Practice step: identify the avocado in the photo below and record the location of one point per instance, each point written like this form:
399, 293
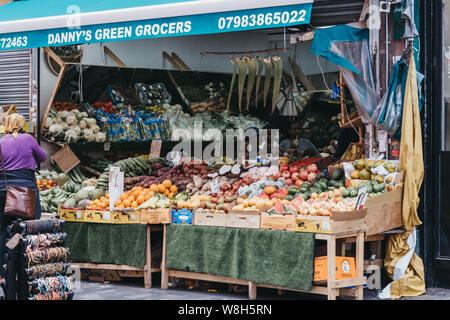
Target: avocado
337, 174
289, 197
292, 190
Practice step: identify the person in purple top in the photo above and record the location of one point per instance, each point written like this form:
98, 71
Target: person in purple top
21, 154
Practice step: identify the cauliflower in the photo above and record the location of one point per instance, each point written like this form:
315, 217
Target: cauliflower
82, 115
88, 135
71, 120
71, 136
100, 137
63, 114
91, 122
48, 123
95, 129
83, 124
55, 128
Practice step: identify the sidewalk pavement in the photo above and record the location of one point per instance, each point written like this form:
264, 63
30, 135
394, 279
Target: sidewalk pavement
134, 290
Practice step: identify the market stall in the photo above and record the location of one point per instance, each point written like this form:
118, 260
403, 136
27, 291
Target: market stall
119, 174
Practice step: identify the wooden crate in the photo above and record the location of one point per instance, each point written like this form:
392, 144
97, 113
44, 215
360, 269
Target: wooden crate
71, 214
243, 219
278, 221
131, 217
209, 218
156, 216
338, 222
384, 212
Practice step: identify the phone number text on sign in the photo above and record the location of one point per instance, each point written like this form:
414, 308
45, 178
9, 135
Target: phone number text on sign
268, 19
16, 42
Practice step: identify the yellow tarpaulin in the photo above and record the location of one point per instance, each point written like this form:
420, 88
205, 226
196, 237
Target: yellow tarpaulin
401, 263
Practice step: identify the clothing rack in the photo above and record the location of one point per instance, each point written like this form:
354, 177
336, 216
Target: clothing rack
45, 276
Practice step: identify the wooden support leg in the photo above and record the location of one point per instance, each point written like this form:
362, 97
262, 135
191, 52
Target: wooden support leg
148, 261
343, 247
252, 290
359, 263
331, 267
379, 245
164, 275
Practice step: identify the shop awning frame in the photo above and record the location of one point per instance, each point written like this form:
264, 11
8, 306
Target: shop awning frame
42, 23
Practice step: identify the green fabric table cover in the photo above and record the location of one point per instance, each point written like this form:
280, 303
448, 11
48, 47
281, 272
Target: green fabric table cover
122, 244
272, 257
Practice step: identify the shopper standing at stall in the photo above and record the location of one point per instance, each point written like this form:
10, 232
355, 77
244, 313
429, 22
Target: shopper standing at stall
295, 144
21, 153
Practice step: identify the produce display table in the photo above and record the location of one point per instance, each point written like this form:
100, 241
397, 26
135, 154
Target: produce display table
257, 258
120, 247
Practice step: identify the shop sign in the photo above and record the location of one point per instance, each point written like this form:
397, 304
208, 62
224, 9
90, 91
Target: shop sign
229, 21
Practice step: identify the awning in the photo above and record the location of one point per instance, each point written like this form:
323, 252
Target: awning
43, 23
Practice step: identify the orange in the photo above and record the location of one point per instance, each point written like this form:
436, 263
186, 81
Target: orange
140, 200
126, 203
167, 183
134, 204
147, 196
133, 189
117, 203
173, 188
119, 206
161, 188
131, 198
107, 196
166, 193
124, 196
170, 195
154, 187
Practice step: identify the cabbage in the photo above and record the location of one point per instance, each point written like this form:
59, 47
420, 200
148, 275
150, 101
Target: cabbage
96, 194
83, 194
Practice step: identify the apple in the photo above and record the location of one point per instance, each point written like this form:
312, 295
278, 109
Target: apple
277, 175
312, 168
304, 175
286, 174
289, 182
298, 183
294, 169
312, 176
295, 176
283, 191
284, 167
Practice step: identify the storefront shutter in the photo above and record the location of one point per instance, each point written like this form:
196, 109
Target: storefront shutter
331, 12
15, 80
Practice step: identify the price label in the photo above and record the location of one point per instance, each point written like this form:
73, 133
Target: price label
14, 241
107, 146
214, 185
155, 149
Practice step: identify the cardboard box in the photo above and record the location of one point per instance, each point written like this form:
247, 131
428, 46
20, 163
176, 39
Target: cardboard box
384, 212
209, 218
71, 214
65, 159
338, 222
345, 268
278, 221
243, 219
155, 216
182, 216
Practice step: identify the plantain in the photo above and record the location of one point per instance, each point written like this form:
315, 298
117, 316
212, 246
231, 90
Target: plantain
267, 78
233, 79
258, 79
251, 78
242, 66
278, 72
